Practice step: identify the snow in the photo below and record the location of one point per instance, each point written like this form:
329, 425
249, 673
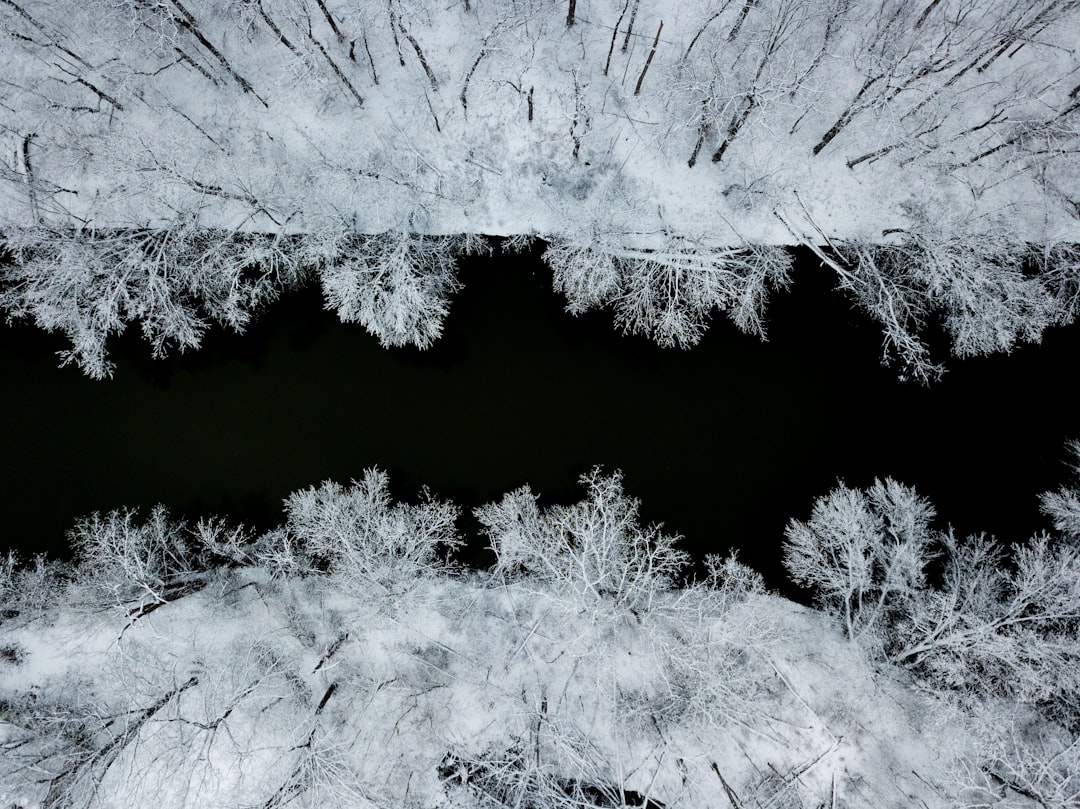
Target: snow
471, 667
949, 134
415, 157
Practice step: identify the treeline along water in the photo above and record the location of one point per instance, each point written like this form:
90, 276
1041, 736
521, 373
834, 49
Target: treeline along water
724, 443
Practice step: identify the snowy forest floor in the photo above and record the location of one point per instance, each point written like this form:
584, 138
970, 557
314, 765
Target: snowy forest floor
342, 658
461, 692
723, 123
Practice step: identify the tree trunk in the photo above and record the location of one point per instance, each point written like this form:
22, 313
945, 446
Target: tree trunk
926, 13
330, 20
872, 155
187, 22
736, 124
845, 117
337, 70
734, 32
648, 61
614, 36
423, 62
701, 31
28, 170
630, 25
703, 130
276, 31
468, 78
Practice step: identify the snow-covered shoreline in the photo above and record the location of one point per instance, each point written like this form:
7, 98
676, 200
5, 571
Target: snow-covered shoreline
343, 657
667, 151
480, 675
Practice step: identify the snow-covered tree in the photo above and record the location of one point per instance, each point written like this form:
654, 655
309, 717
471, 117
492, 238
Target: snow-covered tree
715, 646
595, 549
141, 564
739, 63
172, 282
863, 553
987, 623
131, 559
359, 533
396, 284
1000, 624
972, 278
669, 293
30, 587
1063, 506
1019, 761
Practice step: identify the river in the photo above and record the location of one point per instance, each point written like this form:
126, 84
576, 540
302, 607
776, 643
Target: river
723, 443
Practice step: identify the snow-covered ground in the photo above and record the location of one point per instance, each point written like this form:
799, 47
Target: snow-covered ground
460, 692
342, 659
499, 118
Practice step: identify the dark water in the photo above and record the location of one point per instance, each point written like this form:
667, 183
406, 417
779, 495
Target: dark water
723, 443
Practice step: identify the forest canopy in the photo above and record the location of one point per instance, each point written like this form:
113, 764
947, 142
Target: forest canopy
175, 164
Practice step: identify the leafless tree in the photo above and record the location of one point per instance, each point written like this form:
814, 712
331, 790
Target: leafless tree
864, 554
669, 293
358, 532
396, 284
1063, 506
1019, 762
91, 284
973, 277
904, 47
595, 550
985, 628
132, 560
29, 588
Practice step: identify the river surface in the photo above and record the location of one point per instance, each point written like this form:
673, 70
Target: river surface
724, 443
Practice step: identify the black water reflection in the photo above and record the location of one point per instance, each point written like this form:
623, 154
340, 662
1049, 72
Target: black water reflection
723, 443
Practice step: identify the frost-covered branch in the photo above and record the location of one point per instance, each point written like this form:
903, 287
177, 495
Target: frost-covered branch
359, 533
396, 284
172, 282
594, 549
669, 293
